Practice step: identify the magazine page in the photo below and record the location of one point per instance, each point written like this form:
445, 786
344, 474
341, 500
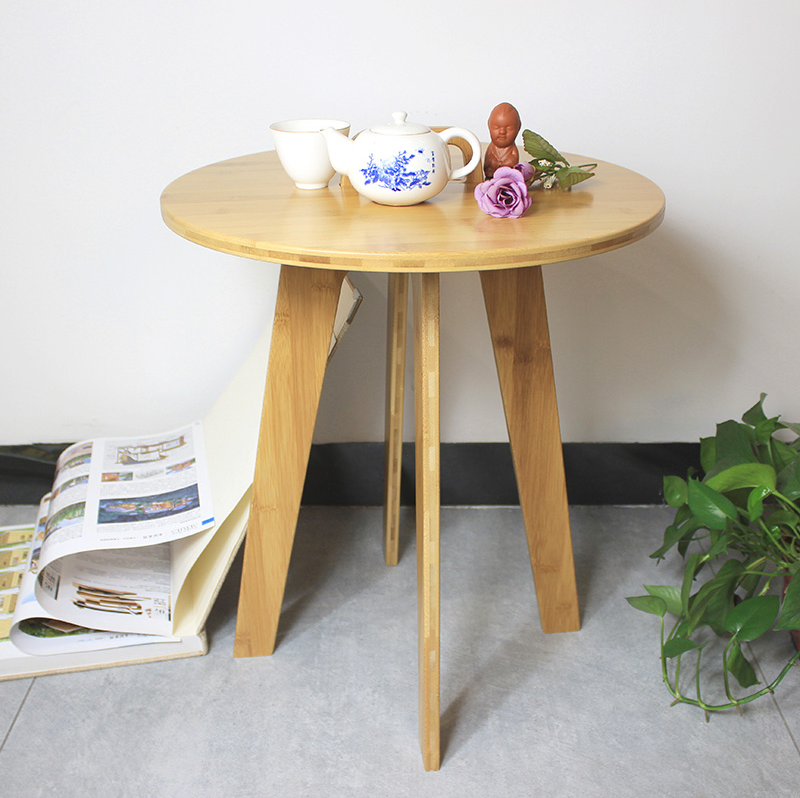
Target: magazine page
62, 511
118, 493
100, 556
15, 547
119, 590
24, 624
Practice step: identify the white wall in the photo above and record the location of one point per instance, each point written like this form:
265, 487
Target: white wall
113, 324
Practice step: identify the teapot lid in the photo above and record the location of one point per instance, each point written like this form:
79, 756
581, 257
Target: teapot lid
399, 127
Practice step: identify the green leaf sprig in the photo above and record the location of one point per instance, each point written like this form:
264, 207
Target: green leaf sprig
742, 520
551, 166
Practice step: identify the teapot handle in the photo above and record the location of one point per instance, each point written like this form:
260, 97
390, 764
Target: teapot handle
472, 140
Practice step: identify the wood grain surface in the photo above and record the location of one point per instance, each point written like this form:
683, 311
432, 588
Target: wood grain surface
396, 324
248, 206
515, 308
426, 418
301, 337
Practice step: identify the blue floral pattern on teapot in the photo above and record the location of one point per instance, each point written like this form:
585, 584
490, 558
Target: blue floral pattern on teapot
399, 163
395, 174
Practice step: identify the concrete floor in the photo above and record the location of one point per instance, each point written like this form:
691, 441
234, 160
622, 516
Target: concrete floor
333, 712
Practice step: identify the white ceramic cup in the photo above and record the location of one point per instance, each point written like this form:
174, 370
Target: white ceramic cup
303, 152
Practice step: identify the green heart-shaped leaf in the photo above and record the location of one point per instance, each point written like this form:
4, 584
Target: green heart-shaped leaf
671, 596
675, 491
753, 617
755, 502
782, 454
713, 601
712, 509
741, 669
708, 453
790, 614
677, 646
735, 443
765, 428
652, 604
755, 415
789, 480
744, 475
676, 534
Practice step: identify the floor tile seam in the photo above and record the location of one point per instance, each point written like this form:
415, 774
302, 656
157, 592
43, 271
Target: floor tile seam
786, 724
16, 715
774, 698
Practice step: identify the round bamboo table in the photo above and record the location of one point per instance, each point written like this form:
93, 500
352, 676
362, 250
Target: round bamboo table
247, 206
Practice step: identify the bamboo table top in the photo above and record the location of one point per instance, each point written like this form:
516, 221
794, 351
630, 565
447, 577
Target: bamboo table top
248, 206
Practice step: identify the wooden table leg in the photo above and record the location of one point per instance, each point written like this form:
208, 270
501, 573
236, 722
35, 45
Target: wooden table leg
426, 407
301, 336
395, 384
515, 306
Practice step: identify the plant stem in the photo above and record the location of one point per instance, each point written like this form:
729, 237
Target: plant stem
725, 677
776, 540
735, 702
788, 501
697, 675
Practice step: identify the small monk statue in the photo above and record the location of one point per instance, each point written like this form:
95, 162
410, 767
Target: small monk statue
504, 127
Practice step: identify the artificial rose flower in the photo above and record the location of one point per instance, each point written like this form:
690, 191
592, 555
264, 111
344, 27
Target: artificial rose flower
505, 194
526, 170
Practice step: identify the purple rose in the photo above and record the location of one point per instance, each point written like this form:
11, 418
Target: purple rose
505, 194
526, 170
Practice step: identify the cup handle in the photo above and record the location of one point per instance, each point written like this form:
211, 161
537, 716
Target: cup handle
472, 140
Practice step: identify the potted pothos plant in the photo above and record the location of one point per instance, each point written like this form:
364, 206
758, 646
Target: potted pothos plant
737, 527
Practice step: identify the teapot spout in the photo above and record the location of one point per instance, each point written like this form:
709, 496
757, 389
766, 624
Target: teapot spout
340, 149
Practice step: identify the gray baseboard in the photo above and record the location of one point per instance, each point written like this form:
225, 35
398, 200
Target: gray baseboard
472, 473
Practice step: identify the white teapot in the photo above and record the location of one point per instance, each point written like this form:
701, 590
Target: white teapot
400, 163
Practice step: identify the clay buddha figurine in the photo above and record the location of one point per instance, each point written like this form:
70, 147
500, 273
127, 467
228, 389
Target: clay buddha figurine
504, 127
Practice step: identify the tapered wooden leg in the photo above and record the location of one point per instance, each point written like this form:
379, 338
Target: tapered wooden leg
301, 337
395, 384
426, 407
515, 306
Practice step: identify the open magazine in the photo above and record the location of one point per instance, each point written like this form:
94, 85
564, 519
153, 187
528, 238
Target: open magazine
101, 569
127, 555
